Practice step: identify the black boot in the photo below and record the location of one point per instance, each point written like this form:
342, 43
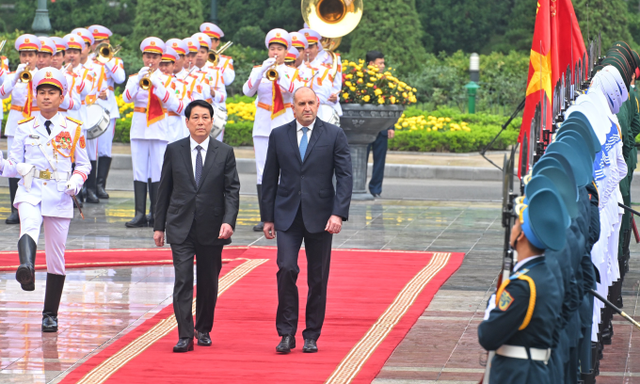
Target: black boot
14, 218
153, 195
258, 227
140, 193
26, 271
52, 296
91, 196
104, 164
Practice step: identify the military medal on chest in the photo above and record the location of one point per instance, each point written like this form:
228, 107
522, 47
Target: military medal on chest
63, 141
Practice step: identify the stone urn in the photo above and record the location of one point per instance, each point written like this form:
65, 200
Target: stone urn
361, 123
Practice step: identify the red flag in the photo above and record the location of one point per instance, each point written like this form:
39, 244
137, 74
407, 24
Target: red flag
557, 43
277, 102
154, 108
539, 82
26, 110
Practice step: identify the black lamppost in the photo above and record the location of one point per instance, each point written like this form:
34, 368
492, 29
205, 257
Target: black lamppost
41, 25
214, 12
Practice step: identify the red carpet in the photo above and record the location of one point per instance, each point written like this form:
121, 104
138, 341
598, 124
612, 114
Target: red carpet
374, 298
94, 258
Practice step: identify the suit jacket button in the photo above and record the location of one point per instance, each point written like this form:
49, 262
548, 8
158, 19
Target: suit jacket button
45, 183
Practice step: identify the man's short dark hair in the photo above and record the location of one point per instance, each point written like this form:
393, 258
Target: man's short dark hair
197, 103
373, 56
45, 86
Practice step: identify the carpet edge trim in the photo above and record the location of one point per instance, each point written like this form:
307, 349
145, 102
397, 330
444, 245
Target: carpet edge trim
108, 367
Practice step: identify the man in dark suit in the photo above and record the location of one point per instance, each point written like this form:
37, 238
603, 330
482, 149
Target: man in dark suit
379, 146
304, 155
198, 197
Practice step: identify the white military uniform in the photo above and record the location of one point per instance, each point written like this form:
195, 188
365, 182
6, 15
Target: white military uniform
43, 200
263, 123
225, 63
148, 143
109, 74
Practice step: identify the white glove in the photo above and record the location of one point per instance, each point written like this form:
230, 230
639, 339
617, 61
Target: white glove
1, 161
143, 72
268, 63
159, 89
74, 185
19, 70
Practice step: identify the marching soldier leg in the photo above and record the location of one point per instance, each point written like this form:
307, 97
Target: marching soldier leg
92, 197
104, 165
28, 244
140, 163
105, 144
13, 218
55, 236
153, 195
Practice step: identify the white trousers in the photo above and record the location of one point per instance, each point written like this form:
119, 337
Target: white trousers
105, 141
260, 145
56, 230
92, 148
147, 157
9, 145
220, 137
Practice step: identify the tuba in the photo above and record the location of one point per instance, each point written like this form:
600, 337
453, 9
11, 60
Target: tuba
104, 52
332, 19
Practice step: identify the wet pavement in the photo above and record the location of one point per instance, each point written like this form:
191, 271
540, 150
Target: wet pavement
100, 305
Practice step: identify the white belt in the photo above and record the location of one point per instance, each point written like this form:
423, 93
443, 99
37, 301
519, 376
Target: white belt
48, 175
519, 352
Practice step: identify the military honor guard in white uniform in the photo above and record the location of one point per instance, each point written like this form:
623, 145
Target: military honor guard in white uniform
175, 118
322, 77
72, 99
274, 84
149, 128
41, 154
209, 77
18, 87
181, 49
225, 63
109, 72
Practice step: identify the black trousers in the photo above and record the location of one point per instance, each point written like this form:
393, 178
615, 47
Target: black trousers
379, 148
318, 251
209, 263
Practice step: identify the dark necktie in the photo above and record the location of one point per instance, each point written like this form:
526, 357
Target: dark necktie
198, 165
47, 124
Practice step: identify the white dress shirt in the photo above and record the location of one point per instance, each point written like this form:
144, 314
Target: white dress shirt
299, 132
194, 152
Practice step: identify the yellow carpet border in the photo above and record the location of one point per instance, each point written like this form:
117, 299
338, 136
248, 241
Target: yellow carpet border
110, 366
360, 353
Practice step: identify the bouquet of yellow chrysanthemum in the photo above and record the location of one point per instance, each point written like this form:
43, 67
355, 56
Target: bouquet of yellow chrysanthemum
364, 84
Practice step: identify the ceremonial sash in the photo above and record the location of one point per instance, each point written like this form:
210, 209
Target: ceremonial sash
277, 102
26, 110
154, 108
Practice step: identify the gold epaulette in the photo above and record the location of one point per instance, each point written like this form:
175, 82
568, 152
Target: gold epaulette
26, 120
257, 66
326, 65
225, 57
135, 74
74, 120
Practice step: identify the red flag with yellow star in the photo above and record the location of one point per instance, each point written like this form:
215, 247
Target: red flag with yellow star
540, 80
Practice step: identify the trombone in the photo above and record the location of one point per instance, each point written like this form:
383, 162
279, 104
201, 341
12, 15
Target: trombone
214, 56
104, 52
2, 43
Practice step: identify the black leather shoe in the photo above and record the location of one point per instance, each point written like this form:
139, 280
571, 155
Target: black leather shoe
49, 323
287, 343
310, 346
258, 227
376, 195
184, 345
203, 339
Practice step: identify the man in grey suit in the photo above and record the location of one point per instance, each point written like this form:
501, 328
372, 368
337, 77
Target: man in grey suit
300, 202
198, 202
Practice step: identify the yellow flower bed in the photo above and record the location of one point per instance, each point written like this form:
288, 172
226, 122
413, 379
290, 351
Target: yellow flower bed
374, 87
430, 123
6, 104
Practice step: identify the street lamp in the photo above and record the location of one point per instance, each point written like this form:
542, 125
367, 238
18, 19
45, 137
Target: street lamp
472, 86
213, 16
41, 25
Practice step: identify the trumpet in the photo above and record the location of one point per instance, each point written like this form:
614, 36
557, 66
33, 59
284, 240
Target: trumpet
2, 43
25, 76
104, 52
272, 73
214, 56
145, 81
